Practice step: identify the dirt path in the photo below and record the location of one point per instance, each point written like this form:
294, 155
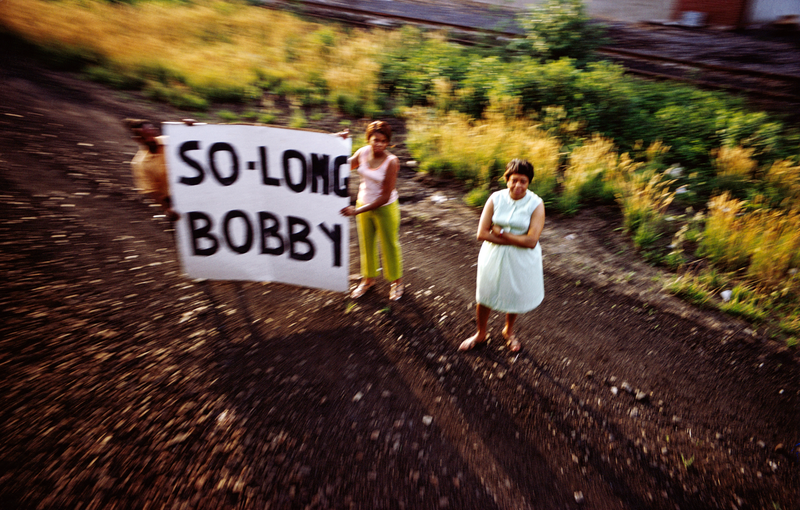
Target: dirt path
125, 385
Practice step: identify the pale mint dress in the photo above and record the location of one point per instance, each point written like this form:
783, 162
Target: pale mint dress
510, 278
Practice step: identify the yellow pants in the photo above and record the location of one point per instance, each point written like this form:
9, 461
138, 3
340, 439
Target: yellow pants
385, 222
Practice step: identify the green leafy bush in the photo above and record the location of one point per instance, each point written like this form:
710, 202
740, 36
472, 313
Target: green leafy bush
477, 197
228, 116
409, 68
117, 79
558, 29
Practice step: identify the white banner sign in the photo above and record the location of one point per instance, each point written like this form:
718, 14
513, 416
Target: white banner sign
260, 203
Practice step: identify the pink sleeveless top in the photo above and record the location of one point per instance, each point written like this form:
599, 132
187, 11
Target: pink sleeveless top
372, 178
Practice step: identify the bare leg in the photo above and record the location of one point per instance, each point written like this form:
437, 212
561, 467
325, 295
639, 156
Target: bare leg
482, 318
508, 332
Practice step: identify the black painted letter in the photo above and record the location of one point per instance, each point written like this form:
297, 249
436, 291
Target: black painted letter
287, 157
340, 190
266, 179
222, 146
271, 231
197, 179
319, 170
248, 240
300, 236
335, 235
203, 232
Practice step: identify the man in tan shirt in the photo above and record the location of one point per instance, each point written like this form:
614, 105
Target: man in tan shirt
149, 164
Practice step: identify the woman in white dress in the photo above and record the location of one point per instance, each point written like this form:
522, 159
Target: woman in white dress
510, 276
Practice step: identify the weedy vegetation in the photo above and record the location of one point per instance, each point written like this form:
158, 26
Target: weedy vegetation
706, 186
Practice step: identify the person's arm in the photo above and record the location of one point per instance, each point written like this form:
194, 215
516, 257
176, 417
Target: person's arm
485, 231
354, 160
528, 240
350, 210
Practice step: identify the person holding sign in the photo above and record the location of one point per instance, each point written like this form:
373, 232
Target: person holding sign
510, 276
149, 165
377, 211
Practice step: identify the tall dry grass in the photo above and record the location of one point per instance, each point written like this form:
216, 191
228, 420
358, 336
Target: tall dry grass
726, 242
643, 192
783, 177
208, 45
478, 150
763, 243
223, 49
735, 162
586, 173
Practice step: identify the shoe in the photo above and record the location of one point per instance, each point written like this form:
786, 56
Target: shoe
361, 289
513, 344
396, 291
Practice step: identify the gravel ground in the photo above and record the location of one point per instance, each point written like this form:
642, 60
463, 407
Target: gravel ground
126, 385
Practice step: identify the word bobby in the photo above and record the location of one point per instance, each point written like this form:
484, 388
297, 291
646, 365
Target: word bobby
260, 203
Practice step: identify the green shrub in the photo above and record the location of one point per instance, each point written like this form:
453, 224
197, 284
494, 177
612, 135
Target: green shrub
674, 260
228, 116
350, 105
559, 28
158, 71
268, 80
542, 85
266, 118
472, 95
690, 288
477, 197
67, 57
297, 119
117, 79
746, 303
188, 101
218, 92
647, 234
324, 39
409, 69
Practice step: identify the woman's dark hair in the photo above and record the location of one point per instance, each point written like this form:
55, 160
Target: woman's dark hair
136, 123
519, 166
381, 127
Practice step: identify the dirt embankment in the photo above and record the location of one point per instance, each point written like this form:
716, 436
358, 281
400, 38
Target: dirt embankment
126, 385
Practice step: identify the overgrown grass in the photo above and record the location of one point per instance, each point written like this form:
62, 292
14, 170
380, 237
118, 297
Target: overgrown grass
421, 71
763, 243
758, 248
594, 134
585, 177
476, 152
205, 50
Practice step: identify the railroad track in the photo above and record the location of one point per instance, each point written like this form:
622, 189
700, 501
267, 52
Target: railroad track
363, 14
763, 84
773, 91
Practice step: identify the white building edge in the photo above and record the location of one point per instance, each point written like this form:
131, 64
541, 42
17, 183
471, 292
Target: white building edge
756, 12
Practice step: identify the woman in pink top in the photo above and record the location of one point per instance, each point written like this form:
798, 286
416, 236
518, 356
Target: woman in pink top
377, 211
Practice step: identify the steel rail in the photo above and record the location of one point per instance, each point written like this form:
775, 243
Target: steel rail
319, 10
395, 17
704, 65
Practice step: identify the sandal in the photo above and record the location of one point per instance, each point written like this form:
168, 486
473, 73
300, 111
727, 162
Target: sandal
396, 291
513, 344
362, 289
470, 343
